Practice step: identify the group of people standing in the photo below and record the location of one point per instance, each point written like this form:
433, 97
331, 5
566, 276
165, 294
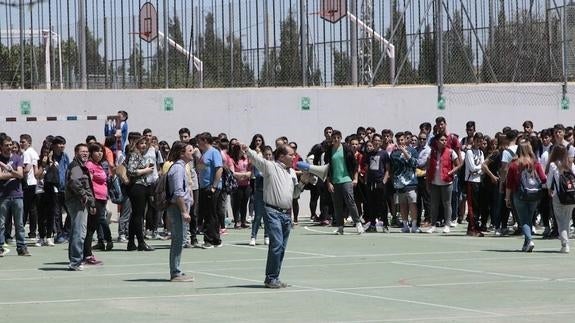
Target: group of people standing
415, 181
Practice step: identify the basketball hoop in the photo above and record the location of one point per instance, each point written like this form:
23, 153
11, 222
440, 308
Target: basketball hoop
148, 22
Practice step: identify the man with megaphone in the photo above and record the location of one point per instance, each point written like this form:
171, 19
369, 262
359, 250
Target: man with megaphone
280, 188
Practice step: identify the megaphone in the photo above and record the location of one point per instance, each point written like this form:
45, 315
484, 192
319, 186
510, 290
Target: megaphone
319, 171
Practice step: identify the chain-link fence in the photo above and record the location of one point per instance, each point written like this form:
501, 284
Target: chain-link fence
257, 43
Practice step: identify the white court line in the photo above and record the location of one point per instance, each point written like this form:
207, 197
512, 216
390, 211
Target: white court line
288, 251
482, 272
305, 289
335, 291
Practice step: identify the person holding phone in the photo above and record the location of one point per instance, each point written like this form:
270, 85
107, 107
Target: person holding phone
138, 170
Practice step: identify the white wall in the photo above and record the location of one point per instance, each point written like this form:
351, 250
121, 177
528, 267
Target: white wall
277, 111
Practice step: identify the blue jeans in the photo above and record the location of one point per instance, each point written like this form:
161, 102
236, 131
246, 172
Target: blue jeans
78, 227
525, 211
13, 207
278, 226
177, 227
259, 212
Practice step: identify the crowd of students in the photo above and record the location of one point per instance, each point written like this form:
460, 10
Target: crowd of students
416, 181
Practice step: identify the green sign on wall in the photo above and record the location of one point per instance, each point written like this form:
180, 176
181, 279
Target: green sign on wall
168, 104
305, 103
25, 108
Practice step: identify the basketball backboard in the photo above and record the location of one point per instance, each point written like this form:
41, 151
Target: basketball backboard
148, 22
333, 10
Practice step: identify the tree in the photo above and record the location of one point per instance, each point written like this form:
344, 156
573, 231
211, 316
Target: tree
290, 73
459, 55
399, 39
341, 68
428, 60
136, 69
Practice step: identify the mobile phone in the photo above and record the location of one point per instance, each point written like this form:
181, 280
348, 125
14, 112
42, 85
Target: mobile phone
151, 165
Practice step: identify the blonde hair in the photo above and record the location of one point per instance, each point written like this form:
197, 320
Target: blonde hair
525, 155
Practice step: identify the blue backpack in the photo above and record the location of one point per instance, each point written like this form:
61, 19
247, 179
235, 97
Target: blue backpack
116, 190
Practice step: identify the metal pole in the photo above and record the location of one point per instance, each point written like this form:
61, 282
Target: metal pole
439, 44
353, 32
21, 8
267, 41
564, 49
303, 24
166, 49
82, 42
231, 18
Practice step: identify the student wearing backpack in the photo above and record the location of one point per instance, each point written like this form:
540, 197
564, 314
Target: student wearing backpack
179, 193
524, 177
561, 190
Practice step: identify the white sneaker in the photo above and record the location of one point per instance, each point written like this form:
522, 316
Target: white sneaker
431, 230
453, 224
266, 241
339, 231
415, 229
498, 232
565, 249
446, 229
40, 242
359, 228
50, 242
252, 242
528, 247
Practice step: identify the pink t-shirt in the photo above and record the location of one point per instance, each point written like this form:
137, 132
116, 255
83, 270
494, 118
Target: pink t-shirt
99, 178
242, 166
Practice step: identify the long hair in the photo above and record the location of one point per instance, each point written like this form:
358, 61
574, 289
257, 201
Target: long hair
253, 143
560, 157
525, 155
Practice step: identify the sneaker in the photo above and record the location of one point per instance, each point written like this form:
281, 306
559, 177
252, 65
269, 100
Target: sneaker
528, 247
359, 228
446, 229
453, 224
498, 232
431, 230
405, 229
546, 232
40, 242
275, 284
266, 241
339, 231
208, 245
109, 245
252, 242
23, 252
385, 229
4, 252
564, 249
223, 231
122, 238
75, 268
50, 242
61, 240
187, 245
99, 246
196, 244
475, 233
91, 260
182, 278
415, 229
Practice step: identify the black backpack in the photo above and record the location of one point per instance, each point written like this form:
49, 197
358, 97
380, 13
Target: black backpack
565, 188
229, 182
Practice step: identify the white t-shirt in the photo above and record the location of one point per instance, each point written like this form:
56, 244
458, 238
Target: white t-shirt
507, 157
473, 160
553, 176
155, 158
30, 157
437, 178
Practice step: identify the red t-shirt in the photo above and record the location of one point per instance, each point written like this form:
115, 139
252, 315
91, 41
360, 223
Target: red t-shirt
514, 175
